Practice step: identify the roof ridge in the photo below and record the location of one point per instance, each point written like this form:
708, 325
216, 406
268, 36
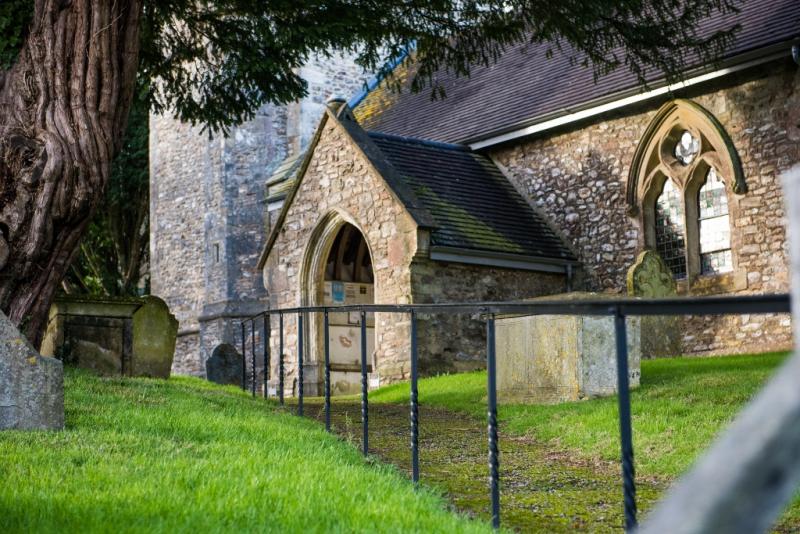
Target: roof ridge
376, 80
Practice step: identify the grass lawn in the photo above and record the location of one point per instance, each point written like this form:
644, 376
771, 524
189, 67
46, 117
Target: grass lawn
183, 455
681, 405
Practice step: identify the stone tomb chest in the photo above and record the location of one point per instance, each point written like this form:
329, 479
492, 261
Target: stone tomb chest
128, 336
560, 358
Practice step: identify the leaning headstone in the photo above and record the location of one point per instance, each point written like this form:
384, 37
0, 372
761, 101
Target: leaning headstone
31, 385
225, 365
155, 330
650, 278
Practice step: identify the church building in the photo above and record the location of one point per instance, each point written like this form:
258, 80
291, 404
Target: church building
532, 179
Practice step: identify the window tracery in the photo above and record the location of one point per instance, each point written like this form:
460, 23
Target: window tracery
683, 176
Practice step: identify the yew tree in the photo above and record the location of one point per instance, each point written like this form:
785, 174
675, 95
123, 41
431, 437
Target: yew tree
68, 70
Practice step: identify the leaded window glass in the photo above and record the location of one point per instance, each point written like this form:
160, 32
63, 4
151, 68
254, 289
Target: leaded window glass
715, 230
670, 229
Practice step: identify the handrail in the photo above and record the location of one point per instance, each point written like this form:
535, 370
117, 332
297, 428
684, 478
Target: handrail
619, 309
767, 303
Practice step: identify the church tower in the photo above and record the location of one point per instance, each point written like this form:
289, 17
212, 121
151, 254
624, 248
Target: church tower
208, 212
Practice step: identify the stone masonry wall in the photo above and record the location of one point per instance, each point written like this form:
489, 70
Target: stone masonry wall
578, 178
181, 159
458, 342
340, 178
208, 216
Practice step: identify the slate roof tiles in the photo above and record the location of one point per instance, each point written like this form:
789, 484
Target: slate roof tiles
525, 87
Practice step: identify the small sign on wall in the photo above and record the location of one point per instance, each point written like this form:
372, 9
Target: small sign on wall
337, 290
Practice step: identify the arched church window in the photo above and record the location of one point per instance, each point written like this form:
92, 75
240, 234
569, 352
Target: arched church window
670, 230
683, 177
715, 229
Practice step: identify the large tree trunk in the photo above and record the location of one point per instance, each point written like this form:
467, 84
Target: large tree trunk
63, 108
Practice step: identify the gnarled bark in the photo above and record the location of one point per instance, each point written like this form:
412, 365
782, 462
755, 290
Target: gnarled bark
63, 108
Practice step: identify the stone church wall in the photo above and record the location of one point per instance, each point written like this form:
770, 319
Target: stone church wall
340, 179
458, 342
208, 212
578, 178
181, 159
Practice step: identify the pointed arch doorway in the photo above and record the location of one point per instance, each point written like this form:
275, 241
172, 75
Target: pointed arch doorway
338, 272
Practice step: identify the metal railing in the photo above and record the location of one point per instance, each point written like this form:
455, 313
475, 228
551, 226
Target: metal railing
619, 309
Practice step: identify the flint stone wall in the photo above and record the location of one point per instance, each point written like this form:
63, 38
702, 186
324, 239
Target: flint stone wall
454, 343
578, 178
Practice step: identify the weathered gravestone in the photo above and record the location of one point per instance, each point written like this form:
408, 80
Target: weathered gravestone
560, 358
112, 336
650, 278
31, 385
225, 366
155, 330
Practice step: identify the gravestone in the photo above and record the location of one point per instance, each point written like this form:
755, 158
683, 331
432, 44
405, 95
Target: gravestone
112, 336
31, 385
155, 330
560, 358
650, 278
225, 366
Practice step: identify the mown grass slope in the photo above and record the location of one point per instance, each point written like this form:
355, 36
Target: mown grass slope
681, 405
183, 455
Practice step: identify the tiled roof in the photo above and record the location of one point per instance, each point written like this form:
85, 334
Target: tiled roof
525, 87
460, 196
282, 180
473, 205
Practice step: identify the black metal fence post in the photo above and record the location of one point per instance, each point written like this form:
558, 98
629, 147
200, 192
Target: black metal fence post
364, 384
752, 304
300, 363
494, 453
625, 432
280, 359
253, 354
414, 402
327, 373
244, 360
267, 338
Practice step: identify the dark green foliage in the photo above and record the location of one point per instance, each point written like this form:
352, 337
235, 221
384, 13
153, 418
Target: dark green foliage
14, 18
113, 254
219, 61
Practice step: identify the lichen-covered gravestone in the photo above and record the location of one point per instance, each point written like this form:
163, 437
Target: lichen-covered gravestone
562, 358
650, 278
154, 332
225, 365
31, 385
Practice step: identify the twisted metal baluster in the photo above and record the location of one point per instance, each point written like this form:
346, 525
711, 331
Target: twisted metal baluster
300, 363
280, 359
327, 373
494, 450
364, 385
414, 402
625, 431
